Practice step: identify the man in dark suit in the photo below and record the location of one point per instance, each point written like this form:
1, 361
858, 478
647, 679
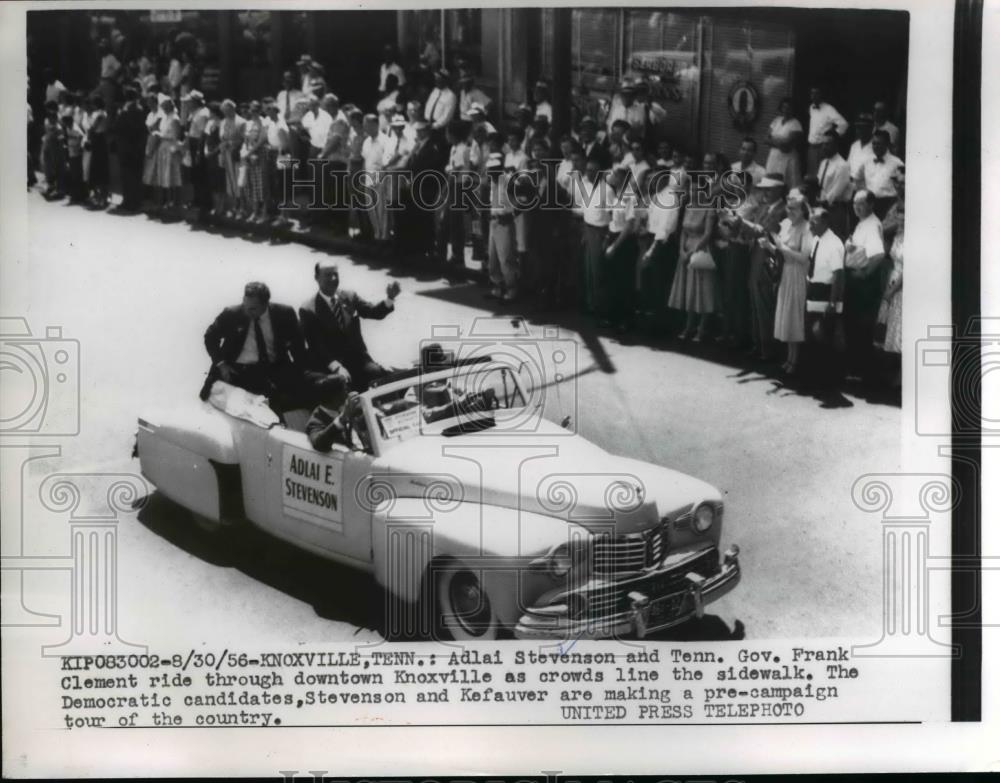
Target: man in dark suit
257, 346
332, 326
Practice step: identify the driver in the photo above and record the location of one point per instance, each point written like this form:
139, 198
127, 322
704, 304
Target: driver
330, 420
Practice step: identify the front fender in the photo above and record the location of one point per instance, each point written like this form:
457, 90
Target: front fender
498, 542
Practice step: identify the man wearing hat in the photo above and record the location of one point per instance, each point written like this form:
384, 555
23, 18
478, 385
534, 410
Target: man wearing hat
762, 222
470, 95
441, 104
198, 117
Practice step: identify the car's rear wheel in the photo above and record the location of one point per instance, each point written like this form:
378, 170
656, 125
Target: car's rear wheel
462, 607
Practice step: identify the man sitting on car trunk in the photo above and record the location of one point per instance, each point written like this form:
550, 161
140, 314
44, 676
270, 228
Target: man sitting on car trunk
257, 345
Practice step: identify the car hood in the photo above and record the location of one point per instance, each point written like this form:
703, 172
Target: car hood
550, 472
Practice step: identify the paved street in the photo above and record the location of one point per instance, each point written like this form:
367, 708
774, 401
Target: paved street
138, 295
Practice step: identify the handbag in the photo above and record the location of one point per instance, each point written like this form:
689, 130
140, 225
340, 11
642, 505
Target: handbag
702, 261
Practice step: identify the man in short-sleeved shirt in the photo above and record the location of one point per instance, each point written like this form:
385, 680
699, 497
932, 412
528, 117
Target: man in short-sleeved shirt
864, 254
822, 118
747, 162
878, 173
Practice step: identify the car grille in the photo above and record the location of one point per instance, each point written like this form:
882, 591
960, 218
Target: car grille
617, 556
613, 599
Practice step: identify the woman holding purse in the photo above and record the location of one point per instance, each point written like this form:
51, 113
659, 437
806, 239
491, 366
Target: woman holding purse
693, 290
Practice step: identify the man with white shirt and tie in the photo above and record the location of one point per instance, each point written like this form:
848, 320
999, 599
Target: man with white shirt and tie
835, 186
257, 345
331, 322
878, 174
441, 104
288, 97
825, 296
864, 254
822, 118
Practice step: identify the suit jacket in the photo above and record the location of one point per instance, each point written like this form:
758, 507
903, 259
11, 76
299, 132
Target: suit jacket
225, 336
327, 340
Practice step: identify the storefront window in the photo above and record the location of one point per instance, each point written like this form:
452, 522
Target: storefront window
253, 39
463, 38
595, 55
752, 64
662, 49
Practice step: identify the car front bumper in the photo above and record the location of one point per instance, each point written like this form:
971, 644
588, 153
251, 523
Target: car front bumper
647, 610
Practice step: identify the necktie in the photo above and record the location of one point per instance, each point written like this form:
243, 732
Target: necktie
288, 103
822, 177
339, 314
262, 357
812, 259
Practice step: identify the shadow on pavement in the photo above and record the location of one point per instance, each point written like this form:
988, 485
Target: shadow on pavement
334, 591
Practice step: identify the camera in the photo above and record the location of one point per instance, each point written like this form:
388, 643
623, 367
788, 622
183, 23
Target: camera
968, 358
493, 350
41, 381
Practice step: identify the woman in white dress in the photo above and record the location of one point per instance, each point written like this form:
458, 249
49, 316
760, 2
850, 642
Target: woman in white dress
793, 246
785, 136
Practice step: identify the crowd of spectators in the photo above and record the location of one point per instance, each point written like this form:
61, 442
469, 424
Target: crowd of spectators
804, 248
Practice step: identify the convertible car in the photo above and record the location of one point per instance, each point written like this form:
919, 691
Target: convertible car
469, 507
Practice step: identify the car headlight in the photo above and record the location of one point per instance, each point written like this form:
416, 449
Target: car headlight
704, 518
570, 555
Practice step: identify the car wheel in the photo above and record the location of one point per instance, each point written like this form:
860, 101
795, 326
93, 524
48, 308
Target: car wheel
463, 611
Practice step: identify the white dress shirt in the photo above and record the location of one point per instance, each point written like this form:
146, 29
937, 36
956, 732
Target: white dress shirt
827, 257
821, 119
384, 71
286, 102
251, 351
664, 214
856, 157
834, 179
591, 201
318, 126
867, 237
622, 210
755, 170
440, 107
877, 175
373, 152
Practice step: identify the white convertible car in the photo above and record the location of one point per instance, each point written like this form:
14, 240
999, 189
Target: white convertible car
466, 505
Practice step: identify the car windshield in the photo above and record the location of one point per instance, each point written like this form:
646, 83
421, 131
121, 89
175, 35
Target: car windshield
465, 399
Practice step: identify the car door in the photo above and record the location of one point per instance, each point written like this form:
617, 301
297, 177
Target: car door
310, 498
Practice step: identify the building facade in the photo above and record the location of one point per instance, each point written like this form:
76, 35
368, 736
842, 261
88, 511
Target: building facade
719, 73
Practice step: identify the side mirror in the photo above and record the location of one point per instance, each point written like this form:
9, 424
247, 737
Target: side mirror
566, 423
